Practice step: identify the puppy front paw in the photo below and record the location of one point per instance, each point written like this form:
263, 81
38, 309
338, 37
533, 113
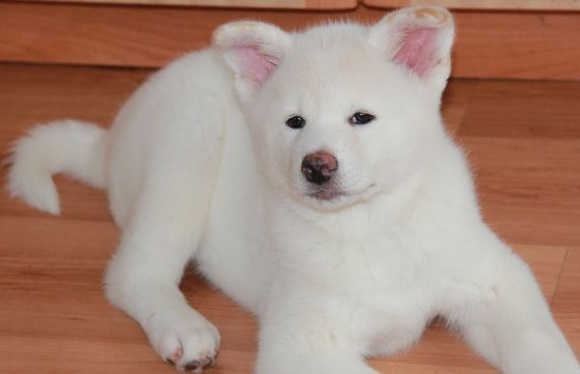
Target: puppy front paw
186, 341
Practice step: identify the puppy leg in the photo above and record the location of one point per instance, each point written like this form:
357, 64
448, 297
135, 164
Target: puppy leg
297, 350
144, 275
298, 337
511, 325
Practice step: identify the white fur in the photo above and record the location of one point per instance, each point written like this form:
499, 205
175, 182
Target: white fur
47, 150
193, 174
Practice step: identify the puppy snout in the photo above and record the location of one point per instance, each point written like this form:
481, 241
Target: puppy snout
319, 167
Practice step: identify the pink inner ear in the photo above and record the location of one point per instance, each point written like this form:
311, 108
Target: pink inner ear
256, 64
417, 50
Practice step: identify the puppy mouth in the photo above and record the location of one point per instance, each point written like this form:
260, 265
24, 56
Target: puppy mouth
330, 194
324, 194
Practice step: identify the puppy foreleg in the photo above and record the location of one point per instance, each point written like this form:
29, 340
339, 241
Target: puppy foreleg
301, 339
143, 276
512, 326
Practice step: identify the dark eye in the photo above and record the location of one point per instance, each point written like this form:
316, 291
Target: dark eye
360, 118
296, 122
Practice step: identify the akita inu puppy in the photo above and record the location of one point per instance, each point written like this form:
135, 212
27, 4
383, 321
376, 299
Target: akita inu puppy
309, 177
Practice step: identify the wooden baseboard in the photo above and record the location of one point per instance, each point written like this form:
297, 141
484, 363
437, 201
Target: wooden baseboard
528, 45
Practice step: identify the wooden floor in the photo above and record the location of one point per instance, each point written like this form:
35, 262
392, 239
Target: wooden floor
523, 139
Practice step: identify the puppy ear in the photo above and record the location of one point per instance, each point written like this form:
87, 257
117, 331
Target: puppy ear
418, 38
253, 50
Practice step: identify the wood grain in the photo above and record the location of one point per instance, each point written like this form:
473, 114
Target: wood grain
264, 4
527, 110
456, 98
529, 188
517, 45
524, 45
54, 317
524, 142
546, 5
566, 302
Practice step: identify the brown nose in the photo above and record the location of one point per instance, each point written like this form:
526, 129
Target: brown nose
319, 167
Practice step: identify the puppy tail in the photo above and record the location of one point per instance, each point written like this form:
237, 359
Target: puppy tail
72, 147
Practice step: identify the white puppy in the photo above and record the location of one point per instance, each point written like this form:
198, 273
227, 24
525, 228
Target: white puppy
309, 177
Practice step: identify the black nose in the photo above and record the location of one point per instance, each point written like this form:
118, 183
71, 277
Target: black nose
319, 167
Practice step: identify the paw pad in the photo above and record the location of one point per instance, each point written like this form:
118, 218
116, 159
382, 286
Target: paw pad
194, 366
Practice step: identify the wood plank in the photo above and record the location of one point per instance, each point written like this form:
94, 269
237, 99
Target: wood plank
74, 357
524, 143
527, 110
545, 5
529, 188
88, 94
566, 302
263, 4
517, 45
489, 44
455, 102
123, 35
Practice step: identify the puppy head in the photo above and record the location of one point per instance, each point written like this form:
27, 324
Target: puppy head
342, 112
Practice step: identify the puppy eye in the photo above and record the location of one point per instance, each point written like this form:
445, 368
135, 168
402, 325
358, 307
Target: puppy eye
296, 122
361, 118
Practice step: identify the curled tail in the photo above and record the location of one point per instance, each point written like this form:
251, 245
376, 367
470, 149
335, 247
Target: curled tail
72, 147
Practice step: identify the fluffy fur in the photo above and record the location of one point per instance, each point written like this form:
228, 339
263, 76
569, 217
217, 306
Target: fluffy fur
200, 165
